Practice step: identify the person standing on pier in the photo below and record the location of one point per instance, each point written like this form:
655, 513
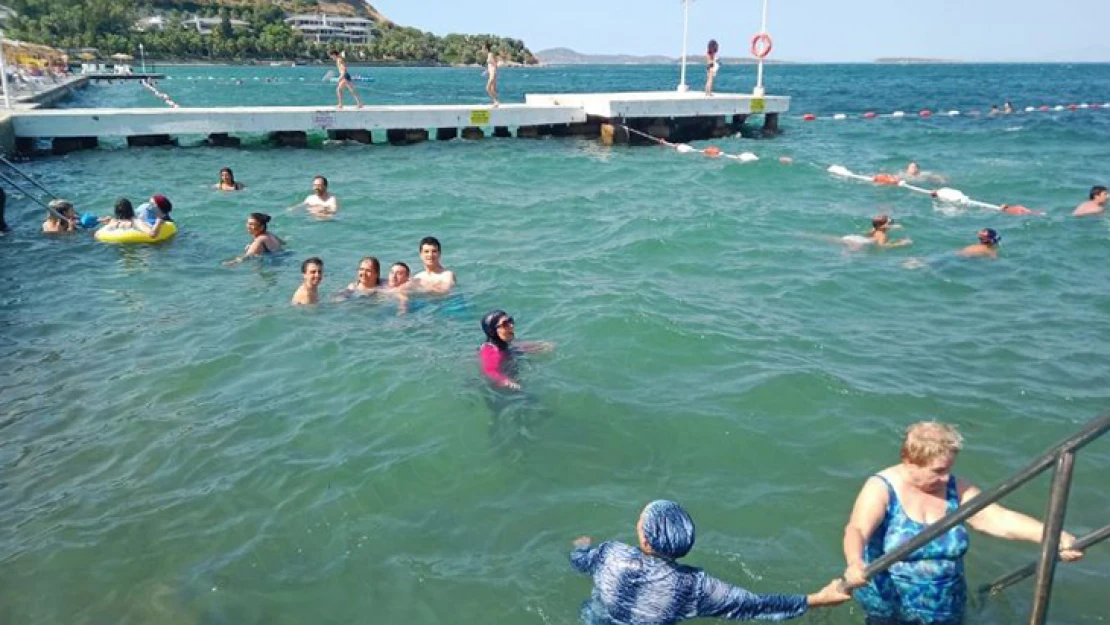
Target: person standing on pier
491, 72
712, 65
344, 79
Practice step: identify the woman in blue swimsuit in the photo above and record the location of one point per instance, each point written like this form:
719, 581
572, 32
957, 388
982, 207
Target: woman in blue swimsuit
896, 504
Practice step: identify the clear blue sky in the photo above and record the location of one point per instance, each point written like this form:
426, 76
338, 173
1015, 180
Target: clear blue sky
804, 30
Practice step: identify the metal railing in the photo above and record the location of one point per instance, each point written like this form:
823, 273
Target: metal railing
1062, 456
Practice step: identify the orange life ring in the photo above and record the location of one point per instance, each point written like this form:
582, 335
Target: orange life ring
712, 151
761, 45
889, 179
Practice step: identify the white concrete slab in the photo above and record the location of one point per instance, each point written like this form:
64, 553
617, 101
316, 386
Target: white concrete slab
663, 103
158, 121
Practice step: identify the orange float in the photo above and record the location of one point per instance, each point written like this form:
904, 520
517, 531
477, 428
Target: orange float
885, 179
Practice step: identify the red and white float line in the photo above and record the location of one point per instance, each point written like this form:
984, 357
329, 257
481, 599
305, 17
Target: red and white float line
161, 95
927, 113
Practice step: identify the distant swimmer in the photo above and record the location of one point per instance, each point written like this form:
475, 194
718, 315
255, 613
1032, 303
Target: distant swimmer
1096, 205
435, 278
913, 173
497, 357
262, 242
227, 181
368, 280
994, 110
60, 218
712, 65
309, 291
344, 79
987, 247
491, 73
1018, 209
321, 203
1007, 108
880, 225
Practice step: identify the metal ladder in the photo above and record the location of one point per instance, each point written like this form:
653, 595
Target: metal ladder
1062, 457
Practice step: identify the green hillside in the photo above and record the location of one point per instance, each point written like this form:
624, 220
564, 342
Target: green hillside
110, 26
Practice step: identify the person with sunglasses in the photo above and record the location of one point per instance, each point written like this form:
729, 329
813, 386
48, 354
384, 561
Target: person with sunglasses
496, 357
987, 247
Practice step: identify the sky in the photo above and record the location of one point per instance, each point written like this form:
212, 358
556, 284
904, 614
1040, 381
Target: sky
803, 30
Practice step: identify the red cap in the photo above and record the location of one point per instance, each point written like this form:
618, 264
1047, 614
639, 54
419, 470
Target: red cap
162, 202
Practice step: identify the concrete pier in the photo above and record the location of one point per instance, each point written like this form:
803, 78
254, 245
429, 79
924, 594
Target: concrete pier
669, 115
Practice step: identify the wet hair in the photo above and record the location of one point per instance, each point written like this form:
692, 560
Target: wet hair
374, 264
312, 261
1096, 190
230, 174
262, 219
123, 209
321, 178
713, 47
926, 441
429, 241
878, 221
401, 264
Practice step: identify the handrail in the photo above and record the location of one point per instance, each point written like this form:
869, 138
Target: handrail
1062, 455
1019, 574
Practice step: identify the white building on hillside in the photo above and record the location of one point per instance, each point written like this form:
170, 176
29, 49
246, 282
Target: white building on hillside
319, 27
203, 25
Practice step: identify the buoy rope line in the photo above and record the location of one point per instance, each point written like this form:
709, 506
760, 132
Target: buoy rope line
161, 95
928, 113
944, 195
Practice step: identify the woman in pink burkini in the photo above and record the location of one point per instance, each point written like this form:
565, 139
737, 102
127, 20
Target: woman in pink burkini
496, 356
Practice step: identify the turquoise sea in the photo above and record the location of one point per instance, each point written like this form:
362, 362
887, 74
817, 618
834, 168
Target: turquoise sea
179, 446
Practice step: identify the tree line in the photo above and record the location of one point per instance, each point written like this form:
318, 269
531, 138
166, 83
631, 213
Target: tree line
109, 26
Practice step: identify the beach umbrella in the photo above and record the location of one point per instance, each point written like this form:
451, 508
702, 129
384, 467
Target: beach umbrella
122, 56
86, 56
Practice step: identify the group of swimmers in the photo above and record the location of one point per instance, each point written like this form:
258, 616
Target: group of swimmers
988, 238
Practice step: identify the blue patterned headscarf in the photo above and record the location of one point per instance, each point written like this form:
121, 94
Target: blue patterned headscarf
669, 531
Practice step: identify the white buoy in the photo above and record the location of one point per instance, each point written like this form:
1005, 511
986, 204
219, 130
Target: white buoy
1058, 108
747, 157
683, 148
954, 196
840, 116
1029, 109
953, 113
839, 170
898, 114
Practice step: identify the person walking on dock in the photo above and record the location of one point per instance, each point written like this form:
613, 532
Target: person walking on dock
712, 65
491, 72
344, 79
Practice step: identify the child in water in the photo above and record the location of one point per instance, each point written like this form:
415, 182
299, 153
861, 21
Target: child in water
645, 585
496, 356
880, 225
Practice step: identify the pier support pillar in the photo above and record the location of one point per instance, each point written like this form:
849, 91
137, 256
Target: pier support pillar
771, 124
528, 132
720, 128
446, 134
502, 132
223, 140
149, 141
613, 133
472, 133
25, 145
290, 138
659, 127
590, 129
65, 145
406, 136
357, 134
738, 122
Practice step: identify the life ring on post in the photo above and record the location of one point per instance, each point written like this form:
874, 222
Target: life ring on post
761, 45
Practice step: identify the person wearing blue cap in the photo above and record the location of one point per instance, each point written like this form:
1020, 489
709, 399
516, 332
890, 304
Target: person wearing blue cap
987, 247
647, 586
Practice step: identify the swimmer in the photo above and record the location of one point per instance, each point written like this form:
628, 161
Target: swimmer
712, 65
1007, 108
321, 203
344, 79
55, 224
1096, 205
1018, 209
157, 214
262, 242
227, 181
309, 292
148, 210
491, 72
496, 357
646, 584
913, 172
880, 225
434, 278
398, 283
124, 216
986, 247
994, 110
369, 278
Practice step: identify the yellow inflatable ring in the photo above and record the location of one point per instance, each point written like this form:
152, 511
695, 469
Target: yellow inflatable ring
131, 235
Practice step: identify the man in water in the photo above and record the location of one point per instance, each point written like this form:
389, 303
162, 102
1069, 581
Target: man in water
435, 277
398, 282
321, 203
1096, 205
913, 173
994, 109
1007, 108
344, 79
987, 247
309, 292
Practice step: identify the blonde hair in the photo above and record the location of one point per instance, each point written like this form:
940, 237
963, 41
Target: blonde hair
929, 440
